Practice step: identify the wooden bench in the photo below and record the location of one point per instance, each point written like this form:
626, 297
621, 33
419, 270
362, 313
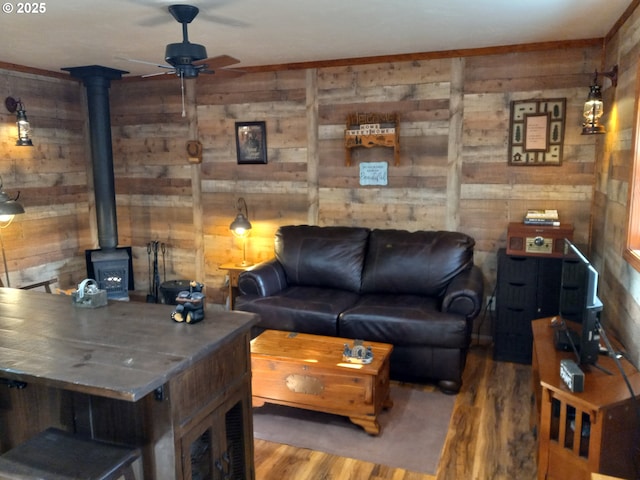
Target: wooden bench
58, 455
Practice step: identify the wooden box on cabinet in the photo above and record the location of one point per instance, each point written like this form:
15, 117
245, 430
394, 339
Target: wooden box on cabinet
528, 287
538, 240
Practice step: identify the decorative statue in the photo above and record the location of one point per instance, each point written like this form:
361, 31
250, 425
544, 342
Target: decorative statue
190, 306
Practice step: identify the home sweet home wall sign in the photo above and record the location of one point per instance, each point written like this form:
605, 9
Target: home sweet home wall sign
372, 130
536, 133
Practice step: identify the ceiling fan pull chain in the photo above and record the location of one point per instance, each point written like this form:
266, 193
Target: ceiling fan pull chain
184, 113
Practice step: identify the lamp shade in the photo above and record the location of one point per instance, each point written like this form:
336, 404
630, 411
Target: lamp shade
240, 225
8, 207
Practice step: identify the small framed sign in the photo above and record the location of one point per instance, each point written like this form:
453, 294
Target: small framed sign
251, 142
373, 173
536, 133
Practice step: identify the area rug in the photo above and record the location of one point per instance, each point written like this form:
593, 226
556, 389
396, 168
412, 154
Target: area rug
412, 433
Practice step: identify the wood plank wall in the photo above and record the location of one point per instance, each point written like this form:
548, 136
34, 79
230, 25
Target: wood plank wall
453, 171
49, 240
619, 283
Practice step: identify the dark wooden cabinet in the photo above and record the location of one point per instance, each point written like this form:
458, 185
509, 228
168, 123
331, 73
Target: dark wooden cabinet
528, 287
219, 446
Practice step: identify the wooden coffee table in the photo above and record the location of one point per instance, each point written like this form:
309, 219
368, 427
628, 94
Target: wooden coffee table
307, 371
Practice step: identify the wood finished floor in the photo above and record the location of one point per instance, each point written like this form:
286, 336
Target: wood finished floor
489, 435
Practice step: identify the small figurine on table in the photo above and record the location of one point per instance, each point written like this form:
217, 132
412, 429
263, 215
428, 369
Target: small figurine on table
358, 354
190, 308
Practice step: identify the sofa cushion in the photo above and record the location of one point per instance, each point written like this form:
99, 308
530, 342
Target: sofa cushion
329, 257
300, 309
403, 320
417, 263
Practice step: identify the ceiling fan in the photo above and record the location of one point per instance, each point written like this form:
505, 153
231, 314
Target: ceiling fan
186, 59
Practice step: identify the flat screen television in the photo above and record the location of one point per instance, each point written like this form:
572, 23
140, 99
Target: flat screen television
579, 307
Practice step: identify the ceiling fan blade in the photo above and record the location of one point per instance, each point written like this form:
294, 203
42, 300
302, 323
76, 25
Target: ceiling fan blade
220, 20
227, 73
156, 74
155, 21
215, 63
231, 73
163, 19
160, 65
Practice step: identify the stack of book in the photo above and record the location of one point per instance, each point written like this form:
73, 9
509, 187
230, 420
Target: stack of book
542, 217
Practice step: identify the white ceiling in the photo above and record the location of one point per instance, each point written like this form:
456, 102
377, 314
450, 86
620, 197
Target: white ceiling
73, 33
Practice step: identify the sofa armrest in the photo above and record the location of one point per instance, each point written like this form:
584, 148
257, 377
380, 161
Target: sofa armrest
464, 293
263, 280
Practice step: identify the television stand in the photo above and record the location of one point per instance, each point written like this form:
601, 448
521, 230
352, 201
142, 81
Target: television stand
593, 431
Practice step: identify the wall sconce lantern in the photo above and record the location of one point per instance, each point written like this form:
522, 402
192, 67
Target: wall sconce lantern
593, 107
24, 129
9, 208
240, 228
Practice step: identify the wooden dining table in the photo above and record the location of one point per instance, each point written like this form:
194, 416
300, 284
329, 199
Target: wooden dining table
126, 372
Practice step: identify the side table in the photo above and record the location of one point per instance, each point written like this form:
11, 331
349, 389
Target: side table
234, 270
603, 414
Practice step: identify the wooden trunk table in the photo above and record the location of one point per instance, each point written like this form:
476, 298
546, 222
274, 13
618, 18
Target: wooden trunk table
307, 371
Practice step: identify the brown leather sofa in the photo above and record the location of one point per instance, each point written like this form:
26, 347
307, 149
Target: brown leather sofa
419, 291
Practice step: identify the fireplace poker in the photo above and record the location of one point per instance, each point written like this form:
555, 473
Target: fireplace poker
164, 265
150, 297
156, 274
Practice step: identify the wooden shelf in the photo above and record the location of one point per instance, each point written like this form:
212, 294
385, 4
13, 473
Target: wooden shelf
372, 130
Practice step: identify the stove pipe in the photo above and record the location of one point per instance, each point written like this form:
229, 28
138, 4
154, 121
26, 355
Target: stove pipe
97, 81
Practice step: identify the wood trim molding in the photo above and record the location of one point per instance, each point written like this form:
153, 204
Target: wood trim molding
623, 18
632, 257
406, 57
409, 57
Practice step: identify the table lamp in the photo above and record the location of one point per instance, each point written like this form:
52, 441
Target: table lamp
240, 228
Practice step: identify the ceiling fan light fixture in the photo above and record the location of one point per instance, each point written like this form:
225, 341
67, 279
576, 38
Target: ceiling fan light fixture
184, 53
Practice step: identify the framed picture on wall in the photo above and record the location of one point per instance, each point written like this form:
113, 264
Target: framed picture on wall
251, 142
536, 133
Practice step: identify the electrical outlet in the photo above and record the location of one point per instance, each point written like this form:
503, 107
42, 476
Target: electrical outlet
491, 303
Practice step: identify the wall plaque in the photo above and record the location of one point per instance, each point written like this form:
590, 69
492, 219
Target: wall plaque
536, 132
373, 173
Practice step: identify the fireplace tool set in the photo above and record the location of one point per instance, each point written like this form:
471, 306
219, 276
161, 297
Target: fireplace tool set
154, 275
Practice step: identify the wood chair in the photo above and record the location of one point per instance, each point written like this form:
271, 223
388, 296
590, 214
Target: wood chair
57, 455
46, 284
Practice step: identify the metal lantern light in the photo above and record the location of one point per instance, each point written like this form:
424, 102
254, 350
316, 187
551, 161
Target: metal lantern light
593, 110
594, 107
24, 128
